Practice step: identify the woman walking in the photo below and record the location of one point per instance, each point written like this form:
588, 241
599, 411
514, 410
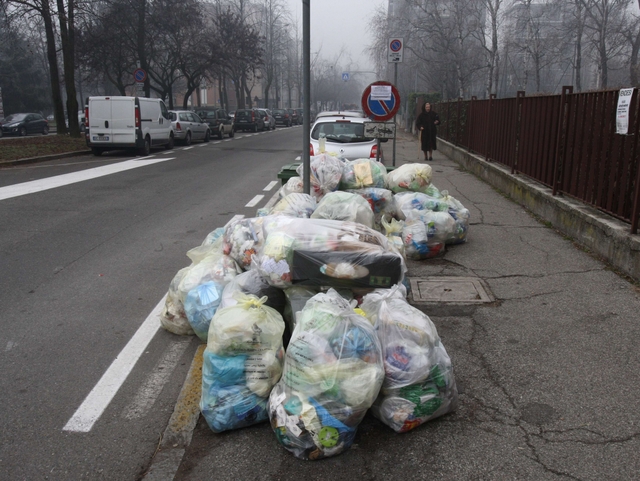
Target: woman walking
426, 123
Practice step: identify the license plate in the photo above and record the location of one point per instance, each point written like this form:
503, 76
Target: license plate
242, 121
99, 138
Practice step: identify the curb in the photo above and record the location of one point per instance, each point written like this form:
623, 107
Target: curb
43, 158
178, 433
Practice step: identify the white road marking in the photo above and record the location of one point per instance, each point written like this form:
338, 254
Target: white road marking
65, 179
101, 395
253, 202
150, 390
10, 345
236, 217
188, 148
297, 158
271, 185
228, 140
204, 144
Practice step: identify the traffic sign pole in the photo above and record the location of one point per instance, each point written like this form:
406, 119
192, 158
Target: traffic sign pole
395, 81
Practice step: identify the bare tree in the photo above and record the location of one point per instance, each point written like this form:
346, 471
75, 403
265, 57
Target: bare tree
604, 28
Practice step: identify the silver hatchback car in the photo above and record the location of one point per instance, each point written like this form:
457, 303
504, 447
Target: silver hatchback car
344, 135
187, 126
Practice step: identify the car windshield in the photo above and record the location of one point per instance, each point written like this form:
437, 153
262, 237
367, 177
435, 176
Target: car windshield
15, 117
243, 113
277, 111
340, 132
208, 115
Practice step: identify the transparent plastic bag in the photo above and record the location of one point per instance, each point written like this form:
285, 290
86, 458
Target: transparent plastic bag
382, 203
251, 282
295, 205
173, 318
216, 267
288, 257
242, 362
242, 239
408, 201
393, 230
410, 177
294, 185
361, 173
332, 374
344, 206
419, 384
200, 305
325, 174
461, 216
419, 238
212, 243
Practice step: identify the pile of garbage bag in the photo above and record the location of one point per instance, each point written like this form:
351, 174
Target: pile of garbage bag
322, 276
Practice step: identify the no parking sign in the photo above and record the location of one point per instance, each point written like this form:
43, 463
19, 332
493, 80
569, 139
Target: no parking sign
396, 49
381, 101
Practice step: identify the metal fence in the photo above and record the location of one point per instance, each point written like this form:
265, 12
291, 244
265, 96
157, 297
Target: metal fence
567, 142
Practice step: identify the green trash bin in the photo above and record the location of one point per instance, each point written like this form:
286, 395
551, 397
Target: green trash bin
288, 171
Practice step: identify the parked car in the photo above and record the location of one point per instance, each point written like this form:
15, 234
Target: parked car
232, 114
282, 116
188, 126
344, 135
127, 122
248, 119
295, 119
24, 124
220, 122
300, 115
343, 113
269, 119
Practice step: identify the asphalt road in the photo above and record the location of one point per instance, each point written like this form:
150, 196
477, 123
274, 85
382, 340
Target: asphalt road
83, 265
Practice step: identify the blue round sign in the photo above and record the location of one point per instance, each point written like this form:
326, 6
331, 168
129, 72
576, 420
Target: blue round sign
381, 101
139, 75
395, 45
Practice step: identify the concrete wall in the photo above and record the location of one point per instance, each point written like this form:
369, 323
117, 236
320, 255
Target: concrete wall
602, 234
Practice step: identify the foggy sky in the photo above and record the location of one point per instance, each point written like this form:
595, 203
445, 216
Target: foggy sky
338, 23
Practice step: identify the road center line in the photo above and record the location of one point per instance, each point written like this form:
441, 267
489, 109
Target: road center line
101, 395
270, 186
253, 202
65, 179
188, 148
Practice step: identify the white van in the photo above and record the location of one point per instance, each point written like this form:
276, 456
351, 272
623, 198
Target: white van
127, 122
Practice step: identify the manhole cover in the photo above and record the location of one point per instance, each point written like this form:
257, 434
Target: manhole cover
456, 290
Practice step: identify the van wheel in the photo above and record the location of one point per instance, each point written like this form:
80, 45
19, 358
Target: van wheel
207, 136
146, 148
187, 139
97, 151
171, 141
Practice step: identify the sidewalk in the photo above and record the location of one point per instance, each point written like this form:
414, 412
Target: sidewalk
547, 372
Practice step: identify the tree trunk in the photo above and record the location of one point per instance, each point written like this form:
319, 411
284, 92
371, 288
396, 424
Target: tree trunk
67, 37
141, 47
52, 58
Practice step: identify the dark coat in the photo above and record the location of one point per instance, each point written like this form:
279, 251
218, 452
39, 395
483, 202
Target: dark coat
428, 120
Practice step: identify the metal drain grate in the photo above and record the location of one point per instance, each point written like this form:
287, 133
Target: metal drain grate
454, 290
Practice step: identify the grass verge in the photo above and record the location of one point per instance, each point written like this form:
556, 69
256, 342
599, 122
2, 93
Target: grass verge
33, 146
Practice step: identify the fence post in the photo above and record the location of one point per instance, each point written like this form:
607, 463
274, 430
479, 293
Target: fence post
459, 122
518, 123
470, 123
490, 128
561, 138
635, 210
